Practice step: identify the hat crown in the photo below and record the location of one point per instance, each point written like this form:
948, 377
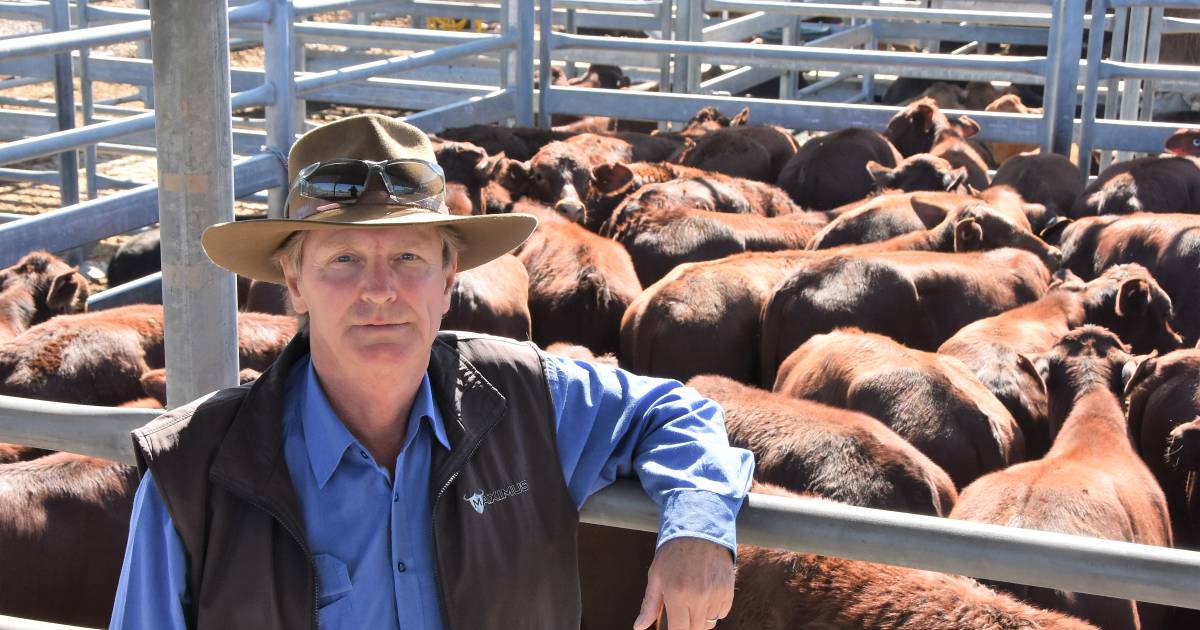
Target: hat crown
363, 137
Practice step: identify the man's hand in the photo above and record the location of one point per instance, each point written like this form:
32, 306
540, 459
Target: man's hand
694, 578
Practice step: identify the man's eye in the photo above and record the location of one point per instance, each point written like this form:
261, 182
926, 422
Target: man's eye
343, 258
408, 256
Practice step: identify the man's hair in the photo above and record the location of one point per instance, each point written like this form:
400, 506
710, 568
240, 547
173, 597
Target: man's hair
289, 255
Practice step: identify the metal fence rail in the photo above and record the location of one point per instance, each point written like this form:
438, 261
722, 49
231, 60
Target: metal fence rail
1051, 560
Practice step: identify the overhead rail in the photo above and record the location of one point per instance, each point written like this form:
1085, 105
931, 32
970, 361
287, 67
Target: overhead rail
1058, 70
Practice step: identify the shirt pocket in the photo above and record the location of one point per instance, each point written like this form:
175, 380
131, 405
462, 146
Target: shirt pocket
333, 600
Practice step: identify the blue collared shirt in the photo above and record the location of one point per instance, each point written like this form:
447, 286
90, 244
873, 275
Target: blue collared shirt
370, 534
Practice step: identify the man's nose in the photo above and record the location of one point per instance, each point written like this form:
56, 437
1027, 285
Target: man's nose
378, 283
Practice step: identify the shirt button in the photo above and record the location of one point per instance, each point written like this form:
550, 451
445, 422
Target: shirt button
396, 498
400, 567
363, 453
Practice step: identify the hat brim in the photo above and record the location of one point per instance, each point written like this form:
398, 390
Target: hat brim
247, 248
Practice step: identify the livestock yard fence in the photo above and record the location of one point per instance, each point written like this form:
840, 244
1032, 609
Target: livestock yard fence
197, 122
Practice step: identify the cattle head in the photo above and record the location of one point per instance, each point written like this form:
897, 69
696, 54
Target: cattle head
919, 172
912, 129
705, 120
38, 287
1086, 359
1128, 301
1010, 104
1184, 142
601, 76
946, 95
980, 227
560, 176
463, 162
1183, 447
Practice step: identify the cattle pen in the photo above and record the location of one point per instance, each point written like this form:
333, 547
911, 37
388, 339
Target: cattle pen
207, 158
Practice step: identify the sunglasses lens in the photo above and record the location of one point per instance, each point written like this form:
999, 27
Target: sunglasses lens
336, 181
413, 179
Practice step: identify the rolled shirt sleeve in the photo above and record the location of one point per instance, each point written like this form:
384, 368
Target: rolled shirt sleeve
612, 423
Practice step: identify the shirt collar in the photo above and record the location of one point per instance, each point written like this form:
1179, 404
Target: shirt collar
326, 438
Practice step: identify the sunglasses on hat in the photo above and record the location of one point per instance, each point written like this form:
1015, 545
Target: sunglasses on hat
341, 182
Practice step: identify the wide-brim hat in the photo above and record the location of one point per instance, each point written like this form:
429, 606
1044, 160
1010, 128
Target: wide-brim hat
248, 248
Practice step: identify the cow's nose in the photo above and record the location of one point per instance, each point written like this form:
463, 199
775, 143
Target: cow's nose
571, 208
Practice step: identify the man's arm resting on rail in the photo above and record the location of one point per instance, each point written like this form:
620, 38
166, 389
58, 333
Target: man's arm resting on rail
153, 576
615, 424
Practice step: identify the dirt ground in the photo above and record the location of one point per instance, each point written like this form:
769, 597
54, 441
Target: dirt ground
32, 198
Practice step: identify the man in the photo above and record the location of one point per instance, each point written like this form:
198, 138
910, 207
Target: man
383, 475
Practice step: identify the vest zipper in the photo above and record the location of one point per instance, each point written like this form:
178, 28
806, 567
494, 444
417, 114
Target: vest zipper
433, 525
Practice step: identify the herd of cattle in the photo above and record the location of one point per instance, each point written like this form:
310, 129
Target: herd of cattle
884, 324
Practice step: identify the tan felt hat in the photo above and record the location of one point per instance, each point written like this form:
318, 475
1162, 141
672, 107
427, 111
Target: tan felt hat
247, 248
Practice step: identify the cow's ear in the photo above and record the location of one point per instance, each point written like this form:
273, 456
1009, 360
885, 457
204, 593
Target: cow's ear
65, 289
923, 116
514, 175
741, 119
968, 235
1136, 371
1029, 366
1133, 296
608, 178
880, 174
967, 126
1053, 229
955, 178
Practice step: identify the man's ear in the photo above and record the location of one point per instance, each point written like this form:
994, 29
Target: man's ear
451, 274
292, 283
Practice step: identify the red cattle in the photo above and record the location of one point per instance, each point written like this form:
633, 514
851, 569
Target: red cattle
64, 519
1166, 244
579, 284
10, 453
518, 143
1149, 184
712, 192
783, 589
892, 214
154, 384
841, 455
266, 297
38, 287
660, 239
1091, 483
99, 358
831, 170
922, 171
612, 183
973, 227
757, 153
1012, 104
915, 128
1183, 455
950, 143
580, 353
492, 298
1125, 299
1051, 180
1164, 395
933, 401
917, 298
719, 302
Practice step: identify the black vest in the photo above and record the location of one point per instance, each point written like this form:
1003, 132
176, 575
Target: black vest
504, 524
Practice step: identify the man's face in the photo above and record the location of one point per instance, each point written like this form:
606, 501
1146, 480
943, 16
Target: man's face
373, 296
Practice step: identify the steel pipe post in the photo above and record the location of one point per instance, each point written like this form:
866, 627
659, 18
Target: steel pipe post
517, 75
85, 93
64, 98
546, 37
194, 135
1112, 93
1135, 52
278, 58
1062, 75
1095, 56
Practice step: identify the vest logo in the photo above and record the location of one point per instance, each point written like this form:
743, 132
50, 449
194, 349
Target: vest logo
481, 499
